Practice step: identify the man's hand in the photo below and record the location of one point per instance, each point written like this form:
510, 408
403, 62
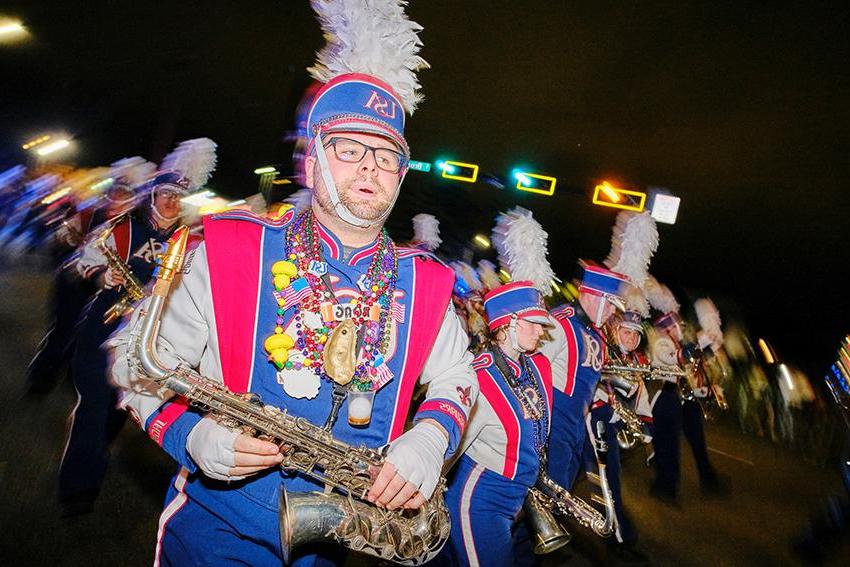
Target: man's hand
413, 467
112, 279
223, 454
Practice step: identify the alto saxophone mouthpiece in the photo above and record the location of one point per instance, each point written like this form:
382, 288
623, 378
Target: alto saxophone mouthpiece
171, 262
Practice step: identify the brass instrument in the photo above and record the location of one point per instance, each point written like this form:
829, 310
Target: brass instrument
633, 431
547, 499
625, 377
407, 537
714, 398
133, 288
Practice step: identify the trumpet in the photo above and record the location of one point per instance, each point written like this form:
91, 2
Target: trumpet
407, 537
133, 289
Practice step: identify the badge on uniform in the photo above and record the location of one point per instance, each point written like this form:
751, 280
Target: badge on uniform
296, 292
317, 268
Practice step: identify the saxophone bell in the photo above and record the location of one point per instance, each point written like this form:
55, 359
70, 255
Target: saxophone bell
548, 533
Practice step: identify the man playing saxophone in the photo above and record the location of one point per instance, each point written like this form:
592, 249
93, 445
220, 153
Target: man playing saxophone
319, 314
133, 241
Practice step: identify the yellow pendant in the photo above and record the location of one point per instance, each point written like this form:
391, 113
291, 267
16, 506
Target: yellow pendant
340, 358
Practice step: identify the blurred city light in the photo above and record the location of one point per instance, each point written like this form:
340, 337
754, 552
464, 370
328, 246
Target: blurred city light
482, 241
768, 356
33, 143
55, 196
265, 170
11, 30
787, 375
53, 147
101, 185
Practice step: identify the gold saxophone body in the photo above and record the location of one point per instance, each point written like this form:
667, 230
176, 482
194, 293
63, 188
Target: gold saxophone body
626, 377
340, 514
133, 288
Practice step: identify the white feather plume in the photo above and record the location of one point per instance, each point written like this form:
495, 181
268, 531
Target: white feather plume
195, 159
135, 170
634, 240
426, 231
709, 319
468, 274
636, 301
301, 200
660, 296
487, 273
521, 244
373, 37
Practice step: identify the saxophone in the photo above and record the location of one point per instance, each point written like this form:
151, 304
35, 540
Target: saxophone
546, 500
407, 537
633, 431
133, 287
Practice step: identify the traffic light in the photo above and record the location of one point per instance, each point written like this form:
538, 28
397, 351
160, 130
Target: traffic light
458, 171
534, 182
607, 195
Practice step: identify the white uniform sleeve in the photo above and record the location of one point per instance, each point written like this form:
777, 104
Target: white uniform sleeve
452, 384
556, 351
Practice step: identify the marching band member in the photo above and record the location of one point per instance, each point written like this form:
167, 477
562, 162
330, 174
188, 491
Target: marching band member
625, 330
135, 240
263, 298
70, 293
505, 441
576, 353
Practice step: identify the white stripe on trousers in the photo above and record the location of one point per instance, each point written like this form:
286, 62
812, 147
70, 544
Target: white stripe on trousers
465, 523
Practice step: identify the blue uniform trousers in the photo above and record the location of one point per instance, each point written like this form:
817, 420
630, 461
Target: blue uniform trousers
666, 427
483, 506
96, 420
692, 427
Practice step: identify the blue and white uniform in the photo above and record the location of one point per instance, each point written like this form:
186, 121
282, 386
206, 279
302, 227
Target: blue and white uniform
216, 320
96, 420
576, 353
500, 461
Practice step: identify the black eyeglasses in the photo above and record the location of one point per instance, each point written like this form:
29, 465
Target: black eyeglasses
352, 151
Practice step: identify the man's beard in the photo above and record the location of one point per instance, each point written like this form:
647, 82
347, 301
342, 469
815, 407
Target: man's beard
371, 209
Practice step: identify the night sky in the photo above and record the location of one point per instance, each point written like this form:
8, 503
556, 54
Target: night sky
740, 110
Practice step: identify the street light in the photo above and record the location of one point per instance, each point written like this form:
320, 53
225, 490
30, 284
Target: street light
52, 147
482, 241
11, 30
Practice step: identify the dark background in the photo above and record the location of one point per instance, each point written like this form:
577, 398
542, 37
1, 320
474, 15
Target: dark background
740, 109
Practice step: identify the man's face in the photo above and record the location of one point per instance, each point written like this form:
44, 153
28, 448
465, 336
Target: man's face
120, 200
593, 304
627, 338
528, 335
167, 202
364, 188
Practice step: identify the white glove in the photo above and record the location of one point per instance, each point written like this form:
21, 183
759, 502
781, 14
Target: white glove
211, 446
418, 456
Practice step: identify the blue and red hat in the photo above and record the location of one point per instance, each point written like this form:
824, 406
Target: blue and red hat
600, 281
521, 299
355, 102
668, 320
631, 320
172, 180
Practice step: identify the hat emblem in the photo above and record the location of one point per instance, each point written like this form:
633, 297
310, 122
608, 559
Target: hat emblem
381, 106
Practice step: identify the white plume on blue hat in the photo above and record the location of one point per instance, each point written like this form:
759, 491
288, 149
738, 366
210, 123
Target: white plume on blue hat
521, 244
